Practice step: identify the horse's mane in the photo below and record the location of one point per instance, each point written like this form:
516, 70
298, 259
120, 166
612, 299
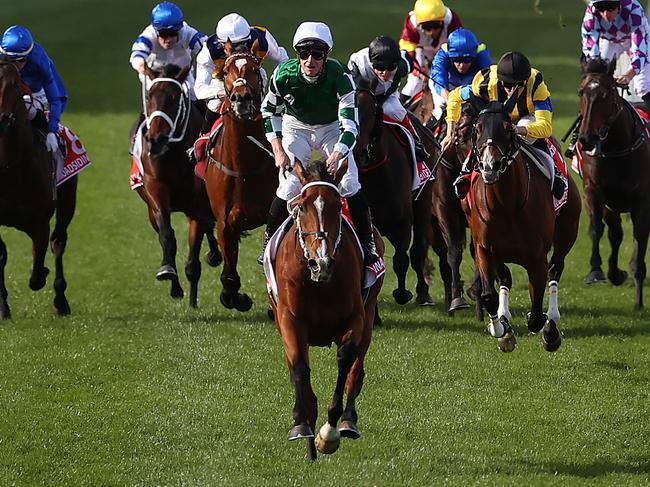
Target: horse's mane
166, 70
318, 171
596, 65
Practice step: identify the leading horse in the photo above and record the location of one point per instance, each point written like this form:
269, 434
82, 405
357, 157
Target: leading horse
172, 125
27, 198
616, 172
319, 272
241, 177
512, 220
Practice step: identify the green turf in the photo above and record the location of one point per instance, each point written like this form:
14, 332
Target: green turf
136, 389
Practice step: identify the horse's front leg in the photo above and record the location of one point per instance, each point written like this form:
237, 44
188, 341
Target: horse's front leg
453, 228
5, 312
193, 265
213, 257
65, 208
418, 252
39, 233
400, 239
641, 228
160, 218
230, 296
595, 208
615, 275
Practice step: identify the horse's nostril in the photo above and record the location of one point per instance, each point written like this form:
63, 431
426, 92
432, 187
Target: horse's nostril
233, 97
248, 97
312, 264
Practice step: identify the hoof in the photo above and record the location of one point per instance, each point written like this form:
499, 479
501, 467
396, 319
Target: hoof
551, 337
424, 300
402, 296
213, 259
535, 325
595, 276
327, 447
270, 315
300, 431
37, 280
5, 312
617, 277
508, 342
176, 291
244, 302
348, 429
166, 273
62, 307
458, 304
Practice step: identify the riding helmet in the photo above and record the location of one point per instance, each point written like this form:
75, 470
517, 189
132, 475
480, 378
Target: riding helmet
167, 16
16, 42
384, 53
429, 10
234, 28
313, 35
462, 43
513, 67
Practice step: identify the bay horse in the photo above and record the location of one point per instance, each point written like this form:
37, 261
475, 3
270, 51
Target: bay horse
319, 272
27, 194
172, 125
241, 176
512, 220
386, 175
616, 172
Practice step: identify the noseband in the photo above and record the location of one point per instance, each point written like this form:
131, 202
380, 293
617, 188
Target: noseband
257, 96
183, 112
507, 157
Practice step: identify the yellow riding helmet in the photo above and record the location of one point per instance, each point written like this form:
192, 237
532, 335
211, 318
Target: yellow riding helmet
428, 10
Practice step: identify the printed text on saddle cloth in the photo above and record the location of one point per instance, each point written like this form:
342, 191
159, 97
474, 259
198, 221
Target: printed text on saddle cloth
76, 158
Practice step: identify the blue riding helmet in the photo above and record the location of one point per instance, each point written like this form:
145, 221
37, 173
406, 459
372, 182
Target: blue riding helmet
462, 43
167, 16
17, 42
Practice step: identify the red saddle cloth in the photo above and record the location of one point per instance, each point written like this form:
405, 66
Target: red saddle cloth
201, 147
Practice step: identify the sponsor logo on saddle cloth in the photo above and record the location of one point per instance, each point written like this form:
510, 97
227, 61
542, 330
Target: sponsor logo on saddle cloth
76, 158
421, 172
372, 272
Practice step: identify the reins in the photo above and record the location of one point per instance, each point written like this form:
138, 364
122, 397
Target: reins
182, 113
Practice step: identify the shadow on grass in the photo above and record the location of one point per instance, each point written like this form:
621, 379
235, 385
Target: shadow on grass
598, 468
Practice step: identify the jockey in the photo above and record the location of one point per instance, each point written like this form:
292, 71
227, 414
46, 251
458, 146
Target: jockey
310, 106
456, 64
37, 71
167, 40
611, 27
382, 66
232, 34
533, 113
425, 29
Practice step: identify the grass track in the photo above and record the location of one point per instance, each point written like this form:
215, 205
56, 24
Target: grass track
135, 389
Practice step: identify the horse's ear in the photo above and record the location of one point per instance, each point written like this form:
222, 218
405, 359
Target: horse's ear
150, 73
182, 75
227, 47
301, 172
478, 104
340, 172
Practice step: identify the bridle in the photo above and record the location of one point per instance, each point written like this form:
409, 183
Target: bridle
256, 95
507, 157
183, 111
321, 235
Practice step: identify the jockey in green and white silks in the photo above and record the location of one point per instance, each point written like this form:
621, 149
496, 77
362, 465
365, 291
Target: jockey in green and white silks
310, 108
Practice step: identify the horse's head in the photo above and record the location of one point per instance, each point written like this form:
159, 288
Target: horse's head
317, 215
12, 106
167, 108
370, 124
600, 103
243, 84
494, 140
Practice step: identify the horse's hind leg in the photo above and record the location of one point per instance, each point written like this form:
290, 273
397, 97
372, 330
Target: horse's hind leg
418, 252
39, 233
400, 240
596, 229
213, 257
230, 296
193, 265
504, 277
641, 228
615, 234
65, 208
5, 312
537, 274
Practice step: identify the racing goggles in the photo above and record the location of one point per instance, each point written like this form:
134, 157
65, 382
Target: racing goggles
463, 59
316, 54
607, 6
167, 33
510, 86
383, 67
432, 25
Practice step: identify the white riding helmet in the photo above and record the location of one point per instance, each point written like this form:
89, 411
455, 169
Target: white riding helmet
234, 28
313, 31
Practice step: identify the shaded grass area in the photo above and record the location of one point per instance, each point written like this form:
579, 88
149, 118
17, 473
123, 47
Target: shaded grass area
136, 389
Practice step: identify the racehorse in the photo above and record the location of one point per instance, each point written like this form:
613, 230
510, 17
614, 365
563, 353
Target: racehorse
27, 198
241, 177
616, 174
386, 175
172, 126
512, 219
319, 272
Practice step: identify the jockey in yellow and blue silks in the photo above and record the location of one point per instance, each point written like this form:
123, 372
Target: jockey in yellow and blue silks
533, 112
456, 64
37, 71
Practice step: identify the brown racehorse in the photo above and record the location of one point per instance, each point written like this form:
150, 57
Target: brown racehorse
616, 172
386, 175
26, 193
172, 126
319, 274
512, 220
241, 177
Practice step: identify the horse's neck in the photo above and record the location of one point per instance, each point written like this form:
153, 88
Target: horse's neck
622, 132
19, 143
512, 190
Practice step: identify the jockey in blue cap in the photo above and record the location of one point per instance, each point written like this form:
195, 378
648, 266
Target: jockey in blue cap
456, 64
38, 72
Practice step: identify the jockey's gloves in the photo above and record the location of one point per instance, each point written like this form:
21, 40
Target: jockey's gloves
51, 143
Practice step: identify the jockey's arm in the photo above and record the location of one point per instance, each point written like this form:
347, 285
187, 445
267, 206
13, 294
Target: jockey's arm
275, 52
194, 39
141, 49
51, 92
347, 114
272, 108
440, 73
205, 87
589, 33
542, 127
638, 43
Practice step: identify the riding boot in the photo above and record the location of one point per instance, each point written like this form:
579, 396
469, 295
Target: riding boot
421, 153
559, 185
462, 182
277, 214
196, 152
362, 221
40, 122
571, 148
208, 121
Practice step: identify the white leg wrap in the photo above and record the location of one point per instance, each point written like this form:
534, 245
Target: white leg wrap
328, 433
495, 327
504, 303
553, 312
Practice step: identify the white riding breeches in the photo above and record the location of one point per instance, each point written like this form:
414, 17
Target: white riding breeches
439, 105
413, 85
610, 50
309, 143
34, 102
393, 107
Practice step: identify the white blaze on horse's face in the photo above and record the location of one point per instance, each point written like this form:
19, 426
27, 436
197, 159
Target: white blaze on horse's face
319, 203
240, 64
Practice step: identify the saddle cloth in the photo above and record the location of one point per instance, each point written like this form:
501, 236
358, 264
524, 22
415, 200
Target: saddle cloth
202, 145
421, 172
372, 273
76, 159
135, 178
